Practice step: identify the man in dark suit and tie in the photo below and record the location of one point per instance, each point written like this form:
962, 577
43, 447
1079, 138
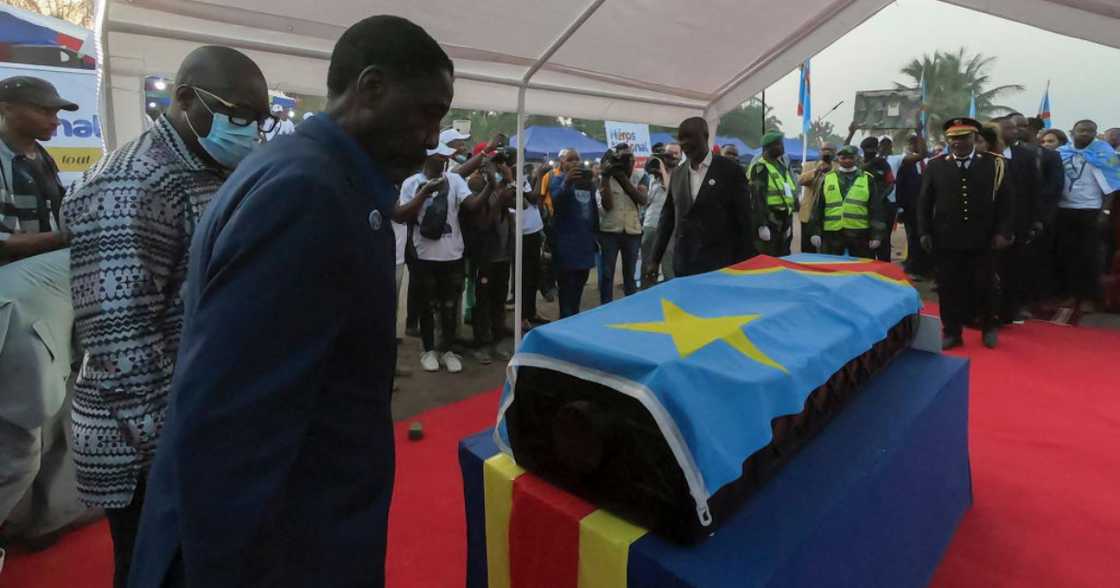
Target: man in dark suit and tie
707, 212
965, 214
1025, 174
275, 466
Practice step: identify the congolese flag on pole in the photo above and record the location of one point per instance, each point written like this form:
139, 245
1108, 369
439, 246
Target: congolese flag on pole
1044, 108
715, 357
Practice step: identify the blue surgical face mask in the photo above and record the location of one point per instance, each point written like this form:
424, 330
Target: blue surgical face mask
226, 142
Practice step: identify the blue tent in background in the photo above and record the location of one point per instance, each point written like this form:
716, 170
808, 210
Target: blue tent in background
744, 149
793, 150
544, 143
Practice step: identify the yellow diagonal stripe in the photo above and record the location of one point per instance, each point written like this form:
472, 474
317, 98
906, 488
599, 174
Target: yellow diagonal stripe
498, 474
604, 550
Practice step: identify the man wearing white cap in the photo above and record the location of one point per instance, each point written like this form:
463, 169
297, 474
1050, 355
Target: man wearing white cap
430, 201
285, 126
457, 141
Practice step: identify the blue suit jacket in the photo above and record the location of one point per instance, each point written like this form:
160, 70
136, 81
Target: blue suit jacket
275, 466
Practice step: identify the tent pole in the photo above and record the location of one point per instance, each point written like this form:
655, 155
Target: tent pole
519, 244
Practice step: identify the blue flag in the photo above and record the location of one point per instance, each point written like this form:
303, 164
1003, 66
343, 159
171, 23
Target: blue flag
1044, 108
972, 106
715, 357
1098, 154
804, 101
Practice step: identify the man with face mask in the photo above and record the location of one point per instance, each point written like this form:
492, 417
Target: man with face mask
849, 217
132, 217
966, 214
811, 177
773, 202
276, 467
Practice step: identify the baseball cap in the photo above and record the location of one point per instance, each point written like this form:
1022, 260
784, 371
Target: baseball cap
449, 135
441, 149
34, 91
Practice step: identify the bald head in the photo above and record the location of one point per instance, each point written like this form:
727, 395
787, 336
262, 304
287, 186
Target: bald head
216, 80
693, 137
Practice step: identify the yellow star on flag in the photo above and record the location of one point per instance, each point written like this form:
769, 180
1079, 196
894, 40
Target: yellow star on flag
692, 333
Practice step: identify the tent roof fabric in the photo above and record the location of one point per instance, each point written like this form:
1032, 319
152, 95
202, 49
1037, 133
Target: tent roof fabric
546, 142
571, 59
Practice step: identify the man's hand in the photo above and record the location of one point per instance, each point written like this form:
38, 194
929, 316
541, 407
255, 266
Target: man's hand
764, 233
999, 242
816, 241
497, 142
874, 244
432, 186
927, 243
823, 168
574, 175
1036, 230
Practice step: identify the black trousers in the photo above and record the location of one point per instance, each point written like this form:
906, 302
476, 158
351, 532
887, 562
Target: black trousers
441, 286
124, 524
488, 318
413, 296
856, 243
806, 243
883, 253
1077, 267
966, 288
1015, 275
530, 272
918, 261
779, 244
571, 284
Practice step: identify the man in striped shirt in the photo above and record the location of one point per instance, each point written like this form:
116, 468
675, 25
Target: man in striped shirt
131, 219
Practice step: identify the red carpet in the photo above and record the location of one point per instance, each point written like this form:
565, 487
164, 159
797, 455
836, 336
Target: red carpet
1045, 426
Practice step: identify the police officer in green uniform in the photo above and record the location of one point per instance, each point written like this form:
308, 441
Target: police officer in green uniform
773, 197
965, 214
849, 213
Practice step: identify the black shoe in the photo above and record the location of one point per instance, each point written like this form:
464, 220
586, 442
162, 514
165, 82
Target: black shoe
539, 320
991, 338
951, 342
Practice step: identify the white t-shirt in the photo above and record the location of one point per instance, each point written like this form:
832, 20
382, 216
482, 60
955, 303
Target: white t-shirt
450, 246
400, 231
1086, 186
531, 220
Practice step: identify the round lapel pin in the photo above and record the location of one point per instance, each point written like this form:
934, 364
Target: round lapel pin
711, 182
375, 219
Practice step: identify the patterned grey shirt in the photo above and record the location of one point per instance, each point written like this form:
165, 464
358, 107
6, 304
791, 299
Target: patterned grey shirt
131, 218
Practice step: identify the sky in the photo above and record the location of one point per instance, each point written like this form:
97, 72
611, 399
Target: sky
1082, 85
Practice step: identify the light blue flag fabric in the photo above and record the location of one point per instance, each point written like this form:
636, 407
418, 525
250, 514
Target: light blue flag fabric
715, 357
1100, 155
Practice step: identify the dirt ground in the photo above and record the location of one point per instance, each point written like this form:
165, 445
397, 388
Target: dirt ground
422, 391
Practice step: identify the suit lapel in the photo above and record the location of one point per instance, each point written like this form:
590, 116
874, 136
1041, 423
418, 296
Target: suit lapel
682, 188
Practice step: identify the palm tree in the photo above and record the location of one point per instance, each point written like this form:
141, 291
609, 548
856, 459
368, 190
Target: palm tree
952, 79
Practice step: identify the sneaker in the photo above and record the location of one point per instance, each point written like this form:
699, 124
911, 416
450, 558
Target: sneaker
429, 361
452, 361
499, 353
484, 356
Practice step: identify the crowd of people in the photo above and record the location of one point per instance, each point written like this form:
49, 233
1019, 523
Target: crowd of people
234, 300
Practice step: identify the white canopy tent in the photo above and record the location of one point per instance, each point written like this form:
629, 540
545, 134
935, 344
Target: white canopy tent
655, 61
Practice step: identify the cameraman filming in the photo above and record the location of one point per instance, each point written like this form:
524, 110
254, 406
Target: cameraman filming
659, 167
620, 226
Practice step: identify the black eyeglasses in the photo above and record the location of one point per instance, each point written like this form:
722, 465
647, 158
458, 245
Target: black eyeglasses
242, 116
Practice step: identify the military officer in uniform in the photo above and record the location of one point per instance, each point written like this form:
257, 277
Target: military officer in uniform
773, 197
849, 214
965, 214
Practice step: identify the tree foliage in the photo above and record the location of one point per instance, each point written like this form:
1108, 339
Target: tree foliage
745, 122
952, 78
79, 12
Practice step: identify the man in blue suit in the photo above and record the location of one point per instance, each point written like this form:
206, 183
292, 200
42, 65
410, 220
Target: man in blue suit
276, 463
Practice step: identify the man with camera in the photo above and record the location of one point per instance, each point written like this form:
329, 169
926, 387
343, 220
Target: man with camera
812, 176
574, 225
659, 167
620, 225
